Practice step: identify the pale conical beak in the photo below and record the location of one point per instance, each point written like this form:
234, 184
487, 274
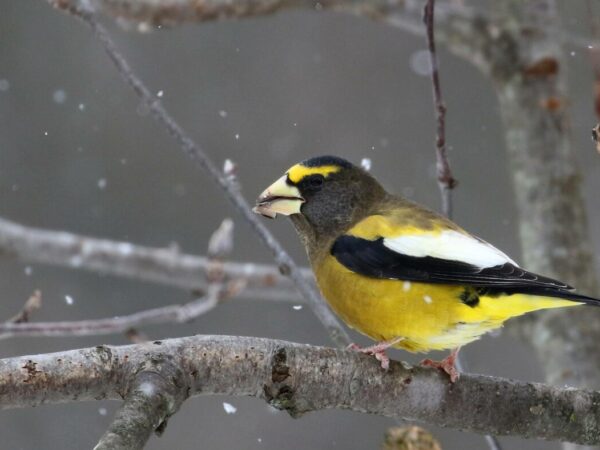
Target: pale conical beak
279, 198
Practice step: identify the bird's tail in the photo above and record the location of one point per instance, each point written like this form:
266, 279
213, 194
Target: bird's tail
518, 303
565, 294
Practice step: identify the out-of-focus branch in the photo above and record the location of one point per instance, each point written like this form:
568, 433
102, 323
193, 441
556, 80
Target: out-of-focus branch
230, 189
159, 265
458, 25
531, 87
175, 12
301, 378
121, 324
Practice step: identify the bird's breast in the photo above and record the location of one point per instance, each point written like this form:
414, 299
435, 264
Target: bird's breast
428, 316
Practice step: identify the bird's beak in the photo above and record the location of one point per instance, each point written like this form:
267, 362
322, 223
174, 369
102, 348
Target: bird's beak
279, 198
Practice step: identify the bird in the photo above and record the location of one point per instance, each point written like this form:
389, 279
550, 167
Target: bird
403, 275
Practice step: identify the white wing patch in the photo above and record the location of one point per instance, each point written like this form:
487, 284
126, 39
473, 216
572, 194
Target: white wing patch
449, 245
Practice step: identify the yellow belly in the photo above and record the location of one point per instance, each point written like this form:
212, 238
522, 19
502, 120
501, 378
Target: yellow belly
427, 316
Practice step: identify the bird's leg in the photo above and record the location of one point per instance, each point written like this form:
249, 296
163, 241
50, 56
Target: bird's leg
378, 350
448, 364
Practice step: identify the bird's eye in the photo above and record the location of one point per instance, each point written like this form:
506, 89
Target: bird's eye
316, 181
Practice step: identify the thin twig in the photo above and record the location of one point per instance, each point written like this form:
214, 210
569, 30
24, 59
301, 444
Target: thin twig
446, 181
120, 324
286, 265
33, 303
220, 244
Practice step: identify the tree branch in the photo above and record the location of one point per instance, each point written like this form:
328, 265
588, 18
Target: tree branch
231, 190
175, 12
155, 395
159, 265
301, 378
112, 325
446, 181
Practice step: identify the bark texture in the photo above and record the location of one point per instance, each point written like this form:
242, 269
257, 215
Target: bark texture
298, 379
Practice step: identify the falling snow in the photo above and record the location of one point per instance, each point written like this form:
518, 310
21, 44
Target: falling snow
159, 94
69, 300
81, 107
427, 299
366, 163
420, 64
228, 167
406, 286
223, 113
102, 183
59, 96
4, 85
147, 389
297, 307
28, 271
229, 408
237, 136
102, 411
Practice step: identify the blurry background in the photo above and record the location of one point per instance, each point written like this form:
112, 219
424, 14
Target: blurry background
78, 153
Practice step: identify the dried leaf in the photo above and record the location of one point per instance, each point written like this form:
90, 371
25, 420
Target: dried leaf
409, 438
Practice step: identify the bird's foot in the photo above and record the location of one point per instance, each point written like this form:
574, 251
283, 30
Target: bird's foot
377, 350
448, 365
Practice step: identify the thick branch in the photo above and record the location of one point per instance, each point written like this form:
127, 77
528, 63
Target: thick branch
301, 378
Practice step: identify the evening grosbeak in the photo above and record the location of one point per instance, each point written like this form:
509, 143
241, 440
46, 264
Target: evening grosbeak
398, 272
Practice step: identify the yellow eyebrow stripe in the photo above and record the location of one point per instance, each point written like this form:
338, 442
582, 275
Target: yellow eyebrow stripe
298, 172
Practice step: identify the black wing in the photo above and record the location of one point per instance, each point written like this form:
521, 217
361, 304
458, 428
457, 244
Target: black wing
374, 259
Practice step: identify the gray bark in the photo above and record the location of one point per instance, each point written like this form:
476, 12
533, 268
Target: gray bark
156, 394
301, 378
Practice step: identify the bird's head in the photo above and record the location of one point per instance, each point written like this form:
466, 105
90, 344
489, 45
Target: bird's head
324, 195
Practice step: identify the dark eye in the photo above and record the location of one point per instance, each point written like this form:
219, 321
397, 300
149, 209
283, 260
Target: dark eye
316, 181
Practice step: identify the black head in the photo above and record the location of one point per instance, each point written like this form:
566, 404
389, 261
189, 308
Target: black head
324, 196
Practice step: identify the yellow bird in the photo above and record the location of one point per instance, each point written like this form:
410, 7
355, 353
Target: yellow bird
397, 272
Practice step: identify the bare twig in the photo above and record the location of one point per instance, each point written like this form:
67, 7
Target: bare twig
302, 378
120, 324
220, 244
33, 303
286, 265
446, 181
